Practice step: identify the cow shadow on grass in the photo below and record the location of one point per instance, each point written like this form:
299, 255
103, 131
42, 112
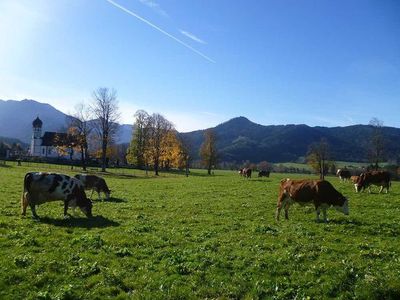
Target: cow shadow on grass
115, 200
260, 180
93, 222
346, 222
111, 199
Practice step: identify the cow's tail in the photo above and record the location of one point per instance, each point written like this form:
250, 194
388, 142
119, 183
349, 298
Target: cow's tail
25, 193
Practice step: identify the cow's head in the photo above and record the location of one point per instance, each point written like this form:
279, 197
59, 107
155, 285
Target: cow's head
108, 194
344, 208
82, 201
86, 207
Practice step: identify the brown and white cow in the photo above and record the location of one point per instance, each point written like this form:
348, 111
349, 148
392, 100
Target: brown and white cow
41, 187
318, 192
379, 178
344, 175
94, 183
354, 179
246, 172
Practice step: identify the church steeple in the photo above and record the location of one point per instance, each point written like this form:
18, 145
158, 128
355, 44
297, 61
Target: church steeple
37, 123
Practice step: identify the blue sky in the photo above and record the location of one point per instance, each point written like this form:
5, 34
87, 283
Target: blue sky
202, 62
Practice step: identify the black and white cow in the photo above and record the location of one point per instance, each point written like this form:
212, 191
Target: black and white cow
94, 183
41, 187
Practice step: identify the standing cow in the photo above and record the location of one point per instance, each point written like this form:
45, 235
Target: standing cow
343, 175
379, 178
246, 172
41, 187
263, 174
94, 183
318, 192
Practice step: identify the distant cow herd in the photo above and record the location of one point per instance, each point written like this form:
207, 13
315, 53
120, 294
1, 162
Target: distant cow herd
41, 187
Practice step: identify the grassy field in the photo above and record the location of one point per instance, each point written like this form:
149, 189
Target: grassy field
210, 237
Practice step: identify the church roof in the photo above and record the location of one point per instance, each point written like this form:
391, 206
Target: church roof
37, 122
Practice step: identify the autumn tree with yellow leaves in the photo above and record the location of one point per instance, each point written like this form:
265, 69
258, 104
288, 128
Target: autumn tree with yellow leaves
154, 143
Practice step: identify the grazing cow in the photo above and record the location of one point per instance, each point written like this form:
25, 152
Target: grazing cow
343, 174
246, 172
319, 192
41, 187
263, 174
94, 183
354, 179
379, 178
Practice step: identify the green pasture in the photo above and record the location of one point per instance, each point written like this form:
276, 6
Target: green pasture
201, 237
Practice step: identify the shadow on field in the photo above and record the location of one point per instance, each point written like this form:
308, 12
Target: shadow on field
260, 180
94, 222
193, 174
345, 222
112, 199
115, 200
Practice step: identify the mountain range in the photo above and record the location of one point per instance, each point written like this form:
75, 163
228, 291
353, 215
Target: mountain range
238, 139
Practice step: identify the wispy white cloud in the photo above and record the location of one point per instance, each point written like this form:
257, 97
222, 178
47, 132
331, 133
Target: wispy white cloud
155, 6
192, 36
160, 30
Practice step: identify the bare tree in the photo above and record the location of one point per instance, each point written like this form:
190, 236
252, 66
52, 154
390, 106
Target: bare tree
377, 142
80, 127
208, 150
318, 157
106, 114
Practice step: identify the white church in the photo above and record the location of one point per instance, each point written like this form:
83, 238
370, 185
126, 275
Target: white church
48, 145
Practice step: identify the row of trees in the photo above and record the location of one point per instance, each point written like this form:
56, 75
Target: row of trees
156, 143
6, 149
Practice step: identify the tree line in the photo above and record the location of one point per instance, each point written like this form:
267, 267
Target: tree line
155, 144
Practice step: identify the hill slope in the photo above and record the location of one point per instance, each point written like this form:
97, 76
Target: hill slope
16, 118
240, 139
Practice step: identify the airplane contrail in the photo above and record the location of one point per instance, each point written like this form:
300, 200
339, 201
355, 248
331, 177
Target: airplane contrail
159, 29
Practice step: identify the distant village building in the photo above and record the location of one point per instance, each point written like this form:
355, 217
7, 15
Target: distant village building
50, 144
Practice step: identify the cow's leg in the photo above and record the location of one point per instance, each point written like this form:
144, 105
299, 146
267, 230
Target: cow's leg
381, 189
278, 210
287, 210
317, 211
33, 209
24, 202
279, 206
66, 208
324, 214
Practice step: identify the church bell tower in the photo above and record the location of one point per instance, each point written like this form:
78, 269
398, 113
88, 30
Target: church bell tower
36, 140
